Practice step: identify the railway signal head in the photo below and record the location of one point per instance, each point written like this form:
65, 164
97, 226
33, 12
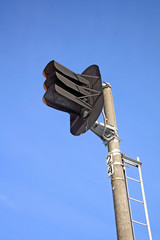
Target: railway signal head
80, 95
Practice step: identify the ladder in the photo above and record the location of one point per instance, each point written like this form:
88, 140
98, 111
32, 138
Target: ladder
107, 133
137, 164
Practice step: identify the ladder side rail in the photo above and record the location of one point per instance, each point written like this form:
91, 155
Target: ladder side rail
144, 200
125, 177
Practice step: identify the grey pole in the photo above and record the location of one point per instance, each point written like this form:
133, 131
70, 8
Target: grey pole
120, 197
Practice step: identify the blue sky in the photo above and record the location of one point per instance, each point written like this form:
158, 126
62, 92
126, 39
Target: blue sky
54, 185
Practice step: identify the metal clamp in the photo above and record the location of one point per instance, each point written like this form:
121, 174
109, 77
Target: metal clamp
105, 131
113, 179
106, 85
118, 163
114, 152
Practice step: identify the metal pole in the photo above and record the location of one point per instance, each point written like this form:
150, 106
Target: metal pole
120, 198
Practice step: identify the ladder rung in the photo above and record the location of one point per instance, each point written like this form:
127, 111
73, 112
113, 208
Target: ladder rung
135, 200
131, 161
144, 224
133, 179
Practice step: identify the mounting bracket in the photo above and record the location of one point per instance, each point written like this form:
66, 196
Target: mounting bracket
105, 131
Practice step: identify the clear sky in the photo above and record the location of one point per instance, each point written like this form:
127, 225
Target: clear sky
54, 185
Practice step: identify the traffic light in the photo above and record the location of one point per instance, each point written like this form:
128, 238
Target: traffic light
80, 95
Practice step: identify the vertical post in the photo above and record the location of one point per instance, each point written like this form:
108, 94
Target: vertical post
120, 198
